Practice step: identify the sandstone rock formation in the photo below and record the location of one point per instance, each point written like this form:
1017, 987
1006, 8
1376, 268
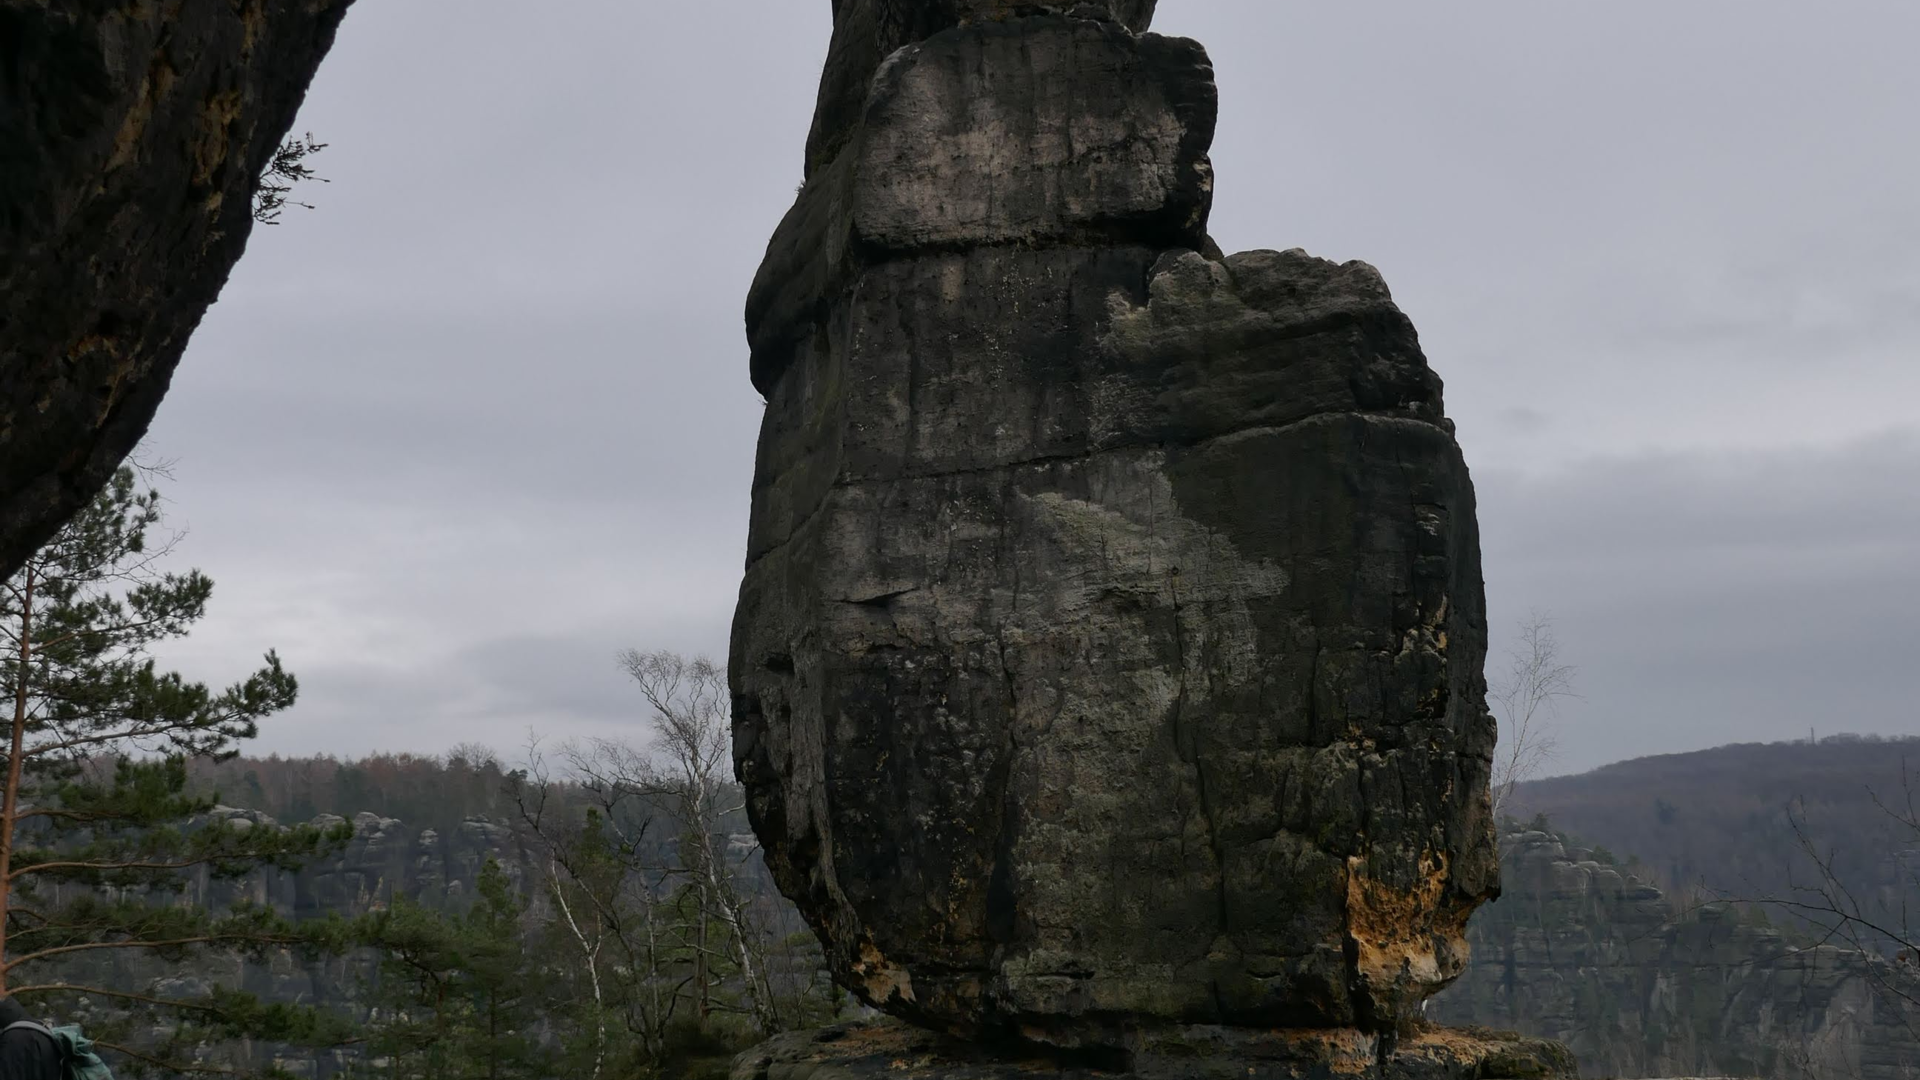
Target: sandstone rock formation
132, 136
1109, 653
1639, 985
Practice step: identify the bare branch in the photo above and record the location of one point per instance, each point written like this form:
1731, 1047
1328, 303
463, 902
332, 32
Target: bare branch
1526, 702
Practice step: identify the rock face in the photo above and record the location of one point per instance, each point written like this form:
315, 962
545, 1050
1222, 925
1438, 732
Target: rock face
1109, 653
132, 136
1580, 951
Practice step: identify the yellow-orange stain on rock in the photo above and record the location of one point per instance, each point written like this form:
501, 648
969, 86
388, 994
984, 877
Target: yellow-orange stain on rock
215, 135
1398, 933
883, 979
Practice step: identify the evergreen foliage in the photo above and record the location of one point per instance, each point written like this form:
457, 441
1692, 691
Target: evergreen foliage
457, 997
102, 837
620, 973
646, 945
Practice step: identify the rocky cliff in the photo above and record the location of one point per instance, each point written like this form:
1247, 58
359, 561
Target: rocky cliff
385, 859
1580, 951
1109, 651
132, 137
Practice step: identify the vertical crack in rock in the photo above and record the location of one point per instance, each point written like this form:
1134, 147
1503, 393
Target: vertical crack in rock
1180, 715
1186, 745
125, 200
1002, 898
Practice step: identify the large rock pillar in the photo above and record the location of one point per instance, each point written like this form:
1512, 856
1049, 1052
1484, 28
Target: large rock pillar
1109, 653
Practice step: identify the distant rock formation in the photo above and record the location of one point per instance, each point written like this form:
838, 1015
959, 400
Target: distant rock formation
386, 859
1109, 656
1581, 951
132, 135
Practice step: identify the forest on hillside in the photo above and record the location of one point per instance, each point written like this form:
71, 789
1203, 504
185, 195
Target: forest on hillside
1743, 822
589, 907
1788, 822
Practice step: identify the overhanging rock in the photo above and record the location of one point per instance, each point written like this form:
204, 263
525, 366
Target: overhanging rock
131, 139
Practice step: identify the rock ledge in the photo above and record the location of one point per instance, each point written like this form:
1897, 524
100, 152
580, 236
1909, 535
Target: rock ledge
898, 1051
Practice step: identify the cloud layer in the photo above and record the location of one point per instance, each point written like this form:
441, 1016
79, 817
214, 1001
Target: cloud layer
482, 419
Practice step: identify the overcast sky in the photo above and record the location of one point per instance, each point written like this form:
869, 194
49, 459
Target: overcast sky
482, 419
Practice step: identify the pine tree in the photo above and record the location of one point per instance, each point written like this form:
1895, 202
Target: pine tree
458, 998
106, 851
500, 984
413, 1023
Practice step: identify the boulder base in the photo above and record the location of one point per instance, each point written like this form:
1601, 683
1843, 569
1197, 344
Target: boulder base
899, 1051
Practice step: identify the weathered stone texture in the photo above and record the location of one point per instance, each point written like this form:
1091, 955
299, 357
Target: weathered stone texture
1110, 647
131, 137
866, 32
974, 138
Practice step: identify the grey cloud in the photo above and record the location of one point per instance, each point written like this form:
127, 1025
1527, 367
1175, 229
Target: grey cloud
1523, 419
1718, 597
499, 691
489, 404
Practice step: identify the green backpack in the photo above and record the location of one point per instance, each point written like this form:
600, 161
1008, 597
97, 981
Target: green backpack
77, 1059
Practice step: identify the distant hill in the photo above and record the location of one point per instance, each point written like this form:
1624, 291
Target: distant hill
1730, 820
1586, 953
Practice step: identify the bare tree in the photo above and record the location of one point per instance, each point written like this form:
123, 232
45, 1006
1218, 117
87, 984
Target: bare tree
692, 721
608, 895
658, 921
1526, 702
1870, 925
472, 755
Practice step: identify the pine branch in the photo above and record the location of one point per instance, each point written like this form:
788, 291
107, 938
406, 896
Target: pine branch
119, 628
130, 732
175, 943
69, 988
65, 815
171, 1066
16, 909
72, 865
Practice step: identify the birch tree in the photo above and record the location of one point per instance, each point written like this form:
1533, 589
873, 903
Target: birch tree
1525, 699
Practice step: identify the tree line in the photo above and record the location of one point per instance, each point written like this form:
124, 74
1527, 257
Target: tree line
428, 791
640, 941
